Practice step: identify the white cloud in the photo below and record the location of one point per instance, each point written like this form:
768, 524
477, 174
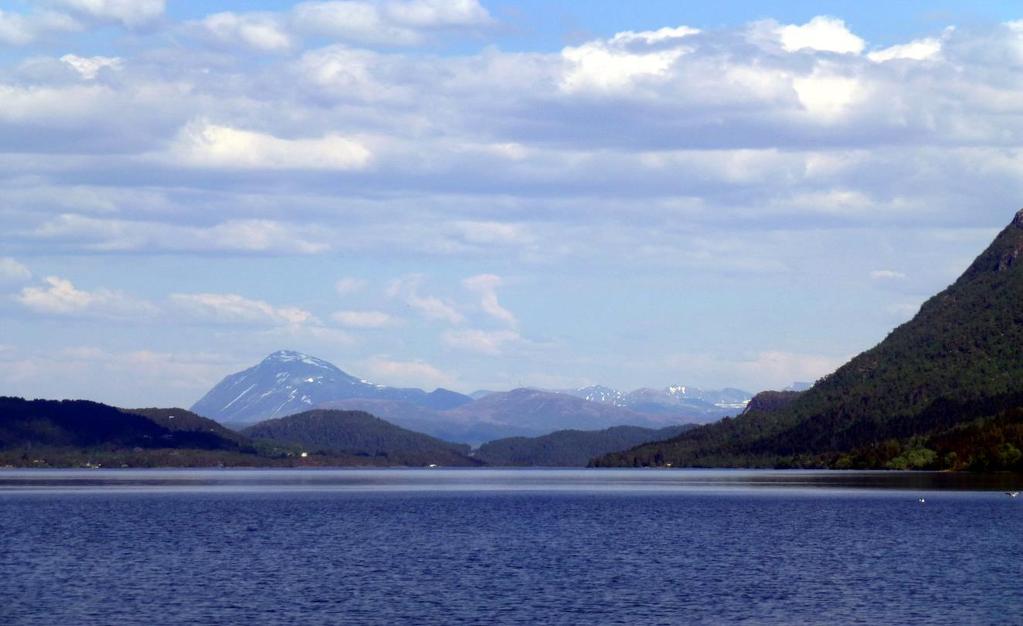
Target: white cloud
206, 145
349, 285
437, 13
481, 341
131, 13
61, 297
260, 31
89, 67
615, 65
18, 29
233, 308
435, 308
827, 95
410, 373
822, 33
918, 50
364, 319
395, 23
887, 275
486, 286
354, 21
430, 307
11, 271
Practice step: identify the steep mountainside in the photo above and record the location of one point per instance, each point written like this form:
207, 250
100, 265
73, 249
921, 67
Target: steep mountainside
958, 361
288, 382
359, 433
570, 448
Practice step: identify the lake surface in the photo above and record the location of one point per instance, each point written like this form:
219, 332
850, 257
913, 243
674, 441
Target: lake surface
508, 547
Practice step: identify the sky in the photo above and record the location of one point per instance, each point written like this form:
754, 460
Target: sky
487, 195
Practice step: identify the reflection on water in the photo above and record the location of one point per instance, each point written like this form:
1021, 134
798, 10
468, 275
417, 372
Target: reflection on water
484, 480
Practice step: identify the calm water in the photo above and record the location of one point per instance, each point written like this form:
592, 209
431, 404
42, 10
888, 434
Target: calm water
508, 546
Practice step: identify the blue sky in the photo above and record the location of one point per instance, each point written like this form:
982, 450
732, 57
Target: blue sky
489, 194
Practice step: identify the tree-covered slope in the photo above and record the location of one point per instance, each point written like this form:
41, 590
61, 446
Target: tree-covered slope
570, 448
959, 359
359, 433
84, 424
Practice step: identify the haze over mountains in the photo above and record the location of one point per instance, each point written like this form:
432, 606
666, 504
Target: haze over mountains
288, 382
942, 391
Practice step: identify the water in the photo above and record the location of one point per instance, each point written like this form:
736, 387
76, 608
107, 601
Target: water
508, 547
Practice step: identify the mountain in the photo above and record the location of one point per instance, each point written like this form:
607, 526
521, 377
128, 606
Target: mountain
570, 448
536, 412
943, 390
361, 434
288, 382
680, 401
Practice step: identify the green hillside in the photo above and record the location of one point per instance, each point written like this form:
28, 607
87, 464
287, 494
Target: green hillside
570, 448
958, 362
359, 433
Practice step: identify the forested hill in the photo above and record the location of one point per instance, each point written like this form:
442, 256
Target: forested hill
941, 391
359, 433
570, 448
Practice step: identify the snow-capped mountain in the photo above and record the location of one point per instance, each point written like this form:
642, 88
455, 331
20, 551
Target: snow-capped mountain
289, 382
599, 394
674, 399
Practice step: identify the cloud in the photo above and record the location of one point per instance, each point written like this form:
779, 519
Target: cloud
486, 286
918, 50
61, 297
352, 21
435, 308
157, 377
887, 275
430, 307
90, 67
767, 369
481, 341
364, 319
489, 232
206, 145
437, 13
130, 13
259, 31
616, 64
233, 308
349, 285
393, 23
11, 271
822, 33
117, 235
17, 29
410, 373
827, 95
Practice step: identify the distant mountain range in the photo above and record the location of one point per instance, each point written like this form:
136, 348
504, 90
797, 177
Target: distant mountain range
698, 404
288, 382
942, 391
